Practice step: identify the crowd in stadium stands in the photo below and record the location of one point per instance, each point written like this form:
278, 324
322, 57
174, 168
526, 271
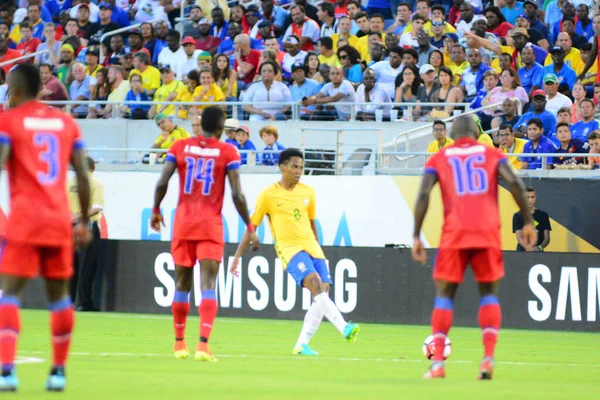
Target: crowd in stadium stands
535, 56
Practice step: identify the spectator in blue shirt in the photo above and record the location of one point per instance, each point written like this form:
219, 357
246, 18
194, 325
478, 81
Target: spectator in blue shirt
531, 73
568, 11
581, 129
119, 16
538, 144
303, 87
531, 10
568, 145
278, 16
566, 74
269, 135
548, 119
511, 10
55, 7
242, 138
585, 26
231, 126
490, 81
137, 93
219, 26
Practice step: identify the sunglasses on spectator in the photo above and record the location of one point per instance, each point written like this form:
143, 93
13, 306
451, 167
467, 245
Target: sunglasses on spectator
437, 24
343, 57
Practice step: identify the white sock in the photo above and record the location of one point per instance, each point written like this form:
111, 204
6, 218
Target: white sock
312, 320
331, 312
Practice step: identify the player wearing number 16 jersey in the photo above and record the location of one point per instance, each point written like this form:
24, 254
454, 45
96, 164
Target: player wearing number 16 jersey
202, 163
468, 176
36, 143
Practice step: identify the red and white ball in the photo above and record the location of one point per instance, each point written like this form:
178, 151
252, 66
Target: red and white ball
429, 348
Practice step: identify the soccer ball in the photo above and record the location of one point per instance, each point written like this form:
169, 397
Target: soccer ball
429, 348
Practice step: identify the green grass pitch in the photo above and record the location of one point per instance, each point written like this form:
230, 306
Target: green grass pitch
129, 356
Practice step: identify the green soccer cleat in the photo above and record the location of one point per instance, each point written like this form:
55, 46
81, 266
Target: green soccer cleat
9, 383
56, 381
351, 332
304, 350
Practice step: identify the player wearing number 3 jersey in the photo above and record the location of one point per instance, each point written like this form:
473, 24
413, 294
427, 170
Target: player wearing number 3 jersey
468, 176
202, 163
37, 143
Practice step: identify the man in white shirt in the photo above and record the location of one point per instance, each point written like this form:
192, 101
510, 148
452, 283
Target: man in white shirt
338, 90
326, 14
388, 70
291, 45
370, 92
303, 27
467, 19
189, 47
173, 54
554, 100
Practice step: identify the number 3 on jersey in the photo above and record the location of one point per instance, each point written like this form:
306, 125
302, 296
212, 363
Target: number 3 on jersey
469, 177
200, 170
49, 143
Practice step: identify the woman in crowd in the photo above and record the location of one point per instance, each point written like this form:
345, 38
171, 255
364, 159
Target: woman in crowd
267, 90
578, 95
268, 55
311, 66
510, 87
350, 59
148, 37
436, 58
407, 85
225, 77
99, 92
447, 93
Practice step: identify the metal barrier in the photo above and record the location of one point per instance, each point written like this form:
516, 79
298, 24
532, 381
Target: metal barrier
125, 29
26, 56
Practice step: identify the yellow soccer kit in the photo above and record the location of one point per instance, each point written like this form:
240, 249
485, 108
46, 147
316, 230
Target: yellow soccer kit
289, 213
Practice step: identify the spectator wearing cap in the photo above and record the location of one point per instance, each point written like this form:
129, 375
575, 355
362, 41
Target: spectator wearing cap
219, 25
82, 14
204, 60
267, 90
538, 144
585, 26
567, 144
467, 18
306, 29
80, 90
565, 55
535, 36
531, 73
92, 56
472, 77
510, 144
370, 92
326, 53
205, 41
169, 132
174, 54
105, 25
269, 136
338, 90
119, 88
191, 62
581, 129
150, 75
567, 10
291, 45
303, 87
556, 100
388, 70
425, 92
243, 142
52, 87
208, 6
231, 126
531, 11
246, 60
261, 31
511, 10
326, 15
28, 43
136, 94
117, 45
169, 91
67, 57
92, 10
538, 103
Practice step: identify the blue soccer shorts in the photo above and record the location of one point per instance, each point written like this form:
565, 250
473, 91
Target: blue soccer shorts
303, 264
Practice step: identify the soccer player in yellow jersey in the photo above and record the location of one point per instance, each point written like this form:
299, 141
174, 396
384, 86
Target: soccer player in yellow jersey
291, 209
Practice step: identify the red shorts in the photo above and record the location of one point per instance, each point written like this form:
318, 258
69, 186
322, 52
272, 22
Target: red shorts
186, 252
486, 263
30, 260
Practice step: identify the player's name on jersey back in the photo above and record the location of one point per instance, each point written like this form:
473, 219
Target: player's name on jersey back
460, 151
199, 151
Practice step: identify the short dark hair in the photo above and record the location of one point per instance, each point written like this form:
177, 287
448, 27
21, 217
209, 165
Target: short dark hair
174, 34
328, 7
585, 46
299, 7
194, 75
412, 52
404, 3
272, 64
213, 119
419, 16
586, 100
529, 189
398, 50
505, 126
423, 1
560, 124
377, 16
439, 122
326, 41
564, 109
569, 19
537, 122
46, 65
592, 136
507, 55
287, 154
359, 14
142, 56
440, 8
27, 78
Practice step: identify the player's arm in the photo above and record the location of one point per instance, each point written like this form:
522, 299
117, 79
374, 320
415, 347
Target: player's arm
591, 58
517, 189
313, 226
546, 240
81, 234
429, 180
239, 200
161, 190
4, 151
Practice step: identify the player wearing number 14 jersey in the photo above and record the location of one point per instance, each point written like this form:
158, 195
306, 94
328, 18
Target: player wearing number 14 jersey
468, 176
202, 163
36, 143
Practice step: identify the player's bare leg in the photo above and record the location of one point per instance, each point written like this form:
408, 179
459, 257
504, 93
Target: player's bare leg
208, 308
184, 278
312, 321
490, 319
441, 322
61, 325
12, 289
316, 287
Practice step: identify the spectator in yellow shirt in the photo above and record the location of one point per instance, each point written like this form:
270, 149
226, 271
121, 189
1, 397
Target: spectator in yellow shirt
170, 91
193, 81
169, 134
207, 92
572, 55
441, 139
459, 63
344, 27
150, 75
326, 53
510, 144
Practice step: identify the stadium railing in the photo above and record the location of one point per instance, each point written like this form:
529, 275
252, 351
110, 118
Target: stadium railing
126, 29
26, 56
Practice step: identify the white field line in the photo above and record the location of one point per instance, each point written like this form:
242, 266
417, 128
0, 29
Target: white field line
259, 357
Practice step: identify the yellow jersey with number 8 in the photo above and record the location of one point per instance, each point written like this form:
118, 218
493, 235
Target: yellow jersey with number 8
289, 213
